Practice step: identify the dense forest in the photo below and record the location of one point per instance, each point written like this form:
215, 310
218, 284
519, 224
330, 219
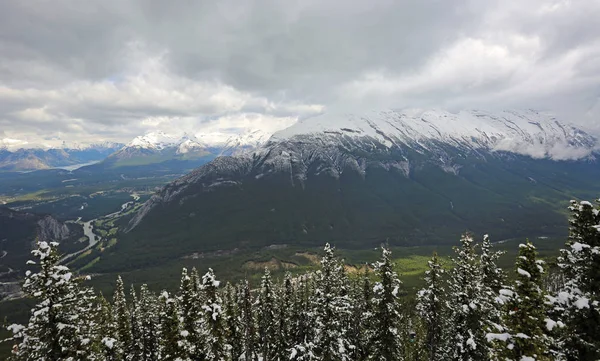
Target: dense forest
472, 311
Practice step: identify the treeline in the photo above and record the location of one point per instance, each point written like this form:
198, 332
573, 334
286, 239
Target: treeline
470, 312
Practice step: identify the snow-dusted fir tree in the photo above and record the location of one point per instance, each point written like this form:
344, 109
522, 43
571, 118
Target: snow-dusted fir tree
492, 275
387, 343
431, 306
173, 337
284, 337
88, 309
136, 353
122, 319
493, 280
577, 303
466, 298
233, 329
109, 348
248, 325
56, 330
524, 318
302, 316
212, 322
267, 321
361, 327
148, 313
189, 301
331, 311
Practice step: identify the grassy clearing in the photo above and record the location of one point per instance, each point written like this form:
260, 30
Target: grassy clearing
87, 266
410, 263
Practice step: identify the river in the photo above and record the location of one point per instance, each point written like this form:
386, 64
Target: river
88, 229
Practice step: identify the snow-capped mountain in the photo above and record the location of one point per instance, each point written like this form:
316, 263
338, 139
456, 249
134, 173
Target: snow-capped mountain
154, 140
244, 142
160, 146
188, 145
92, 146
28, 159
530, 133
380, 161
160, 141
404, 141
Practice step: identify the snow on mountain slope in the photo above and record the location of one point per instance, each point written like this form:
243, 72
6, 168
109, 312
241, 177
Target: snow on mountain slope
224, 143
154, 140
92, 146
530, 133
403, 143
249, 140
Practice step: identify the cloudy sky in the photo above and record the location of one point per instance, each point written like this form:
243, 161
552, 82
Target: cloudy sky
110, 70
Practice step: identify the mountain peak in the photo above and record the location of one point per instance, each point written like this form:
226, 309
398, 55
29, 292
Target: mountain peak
153, 140
530, 133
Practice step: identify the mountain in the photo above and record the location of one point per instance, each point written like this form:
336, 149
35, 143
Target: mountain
40, 158
236, 144
159, 147
410, 178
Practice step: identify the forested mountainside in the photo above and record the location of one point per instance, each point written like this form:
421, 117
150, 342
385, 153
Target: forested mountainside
408, 178
20, 230
471, 311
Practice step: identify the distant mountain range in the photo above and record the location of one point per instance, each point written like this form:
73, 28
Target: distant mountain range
159, 147
410, 177
37, 158
151, 148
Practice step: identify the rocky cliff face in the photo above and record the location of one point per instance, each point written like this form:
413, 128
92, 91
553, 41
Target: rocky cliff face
18, 234
50, 229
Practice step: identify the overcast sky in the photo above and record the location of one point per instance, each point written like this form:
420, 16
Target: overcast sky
110, 70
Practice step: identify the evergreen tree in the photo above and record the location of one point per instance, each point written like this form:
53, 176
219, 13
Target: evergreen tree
524, 317
492, 281
87, 310
362, 327
413, 334
267, 323
331, 310
136, 352
431, 308
148, 313
233, 329
189, 300
172, 336
466, 301
110, 349
56, 330
578, 302
387, 343
122, 319
301, 317
213, 337
493, 276
247, 322
284, 334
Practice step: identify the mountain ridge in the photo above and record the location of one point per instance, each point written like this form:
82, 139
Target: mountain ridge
154, 147
332, 149
357, 184
37, 158
529, 132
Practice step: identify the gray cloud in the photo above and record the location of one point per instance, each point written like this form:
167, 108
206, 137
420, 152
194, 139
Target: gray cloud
113, 69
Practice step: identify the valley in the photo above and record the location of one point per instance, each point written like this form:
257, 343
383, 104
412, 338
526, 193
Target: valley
144, 212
